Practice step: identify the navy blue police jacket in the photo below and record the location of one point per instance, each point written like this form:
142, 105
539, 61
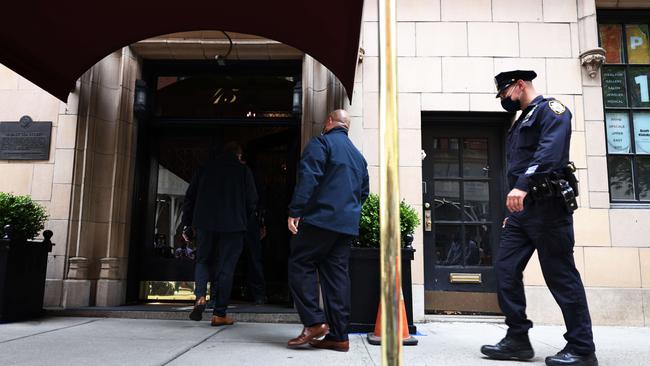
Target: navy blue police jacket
538, 142
332, 184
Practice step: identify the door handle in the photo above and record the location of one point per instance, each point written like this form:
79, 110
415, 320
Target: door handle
427, 220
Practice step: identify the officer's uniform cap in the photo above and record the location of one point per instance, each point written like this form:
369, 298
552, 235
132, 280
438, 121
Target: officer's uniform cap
507, 78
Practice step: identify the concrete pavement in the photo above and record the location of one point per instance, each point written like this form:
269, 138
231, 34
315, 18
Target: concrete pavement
108, 341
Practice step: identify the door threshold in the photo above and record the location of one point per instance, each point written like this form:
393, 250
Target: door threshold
438, 318
239, 312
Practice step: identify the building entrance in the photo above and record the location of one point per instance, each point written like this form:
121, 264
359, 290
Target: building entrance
193, 114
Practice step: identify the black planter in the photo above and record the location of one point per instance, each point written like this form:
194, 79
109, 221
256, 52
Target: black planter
365, 278
23, 266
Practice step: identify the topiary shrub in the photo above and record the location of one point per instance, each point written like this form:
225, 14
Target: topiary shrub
369, 223
26, 217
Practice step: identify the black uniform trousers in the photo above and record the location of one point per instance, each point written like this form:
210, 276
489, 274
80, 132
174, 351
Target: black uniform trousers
216, 258
546, 226
320, 254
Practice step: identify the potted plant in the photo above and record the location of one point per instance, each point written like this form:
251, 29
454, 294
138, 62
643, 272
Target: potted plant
23, 261
365, 265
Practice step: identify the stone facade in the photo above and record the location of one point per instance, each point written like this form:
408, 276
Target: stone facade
449, 51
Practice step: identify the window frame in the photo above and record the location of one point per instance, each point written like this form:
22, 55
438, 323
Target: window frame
623, 18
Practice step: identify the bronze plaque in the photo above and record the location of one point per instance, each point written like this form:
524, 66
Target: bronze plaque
25, 140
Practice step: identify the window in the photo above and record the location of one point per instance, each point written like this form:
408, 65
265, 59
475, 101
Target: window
626, 98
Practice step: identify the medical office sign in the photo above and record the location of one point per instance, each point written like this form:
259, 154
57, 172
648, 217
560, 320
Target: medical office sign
25, 140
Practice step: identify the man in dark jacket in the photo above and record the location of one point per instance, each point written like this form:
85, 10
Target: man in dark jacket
332, 186
218, 203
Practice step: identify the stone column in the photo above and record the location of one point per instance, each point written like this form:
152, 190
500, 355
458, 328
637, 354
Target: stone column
104, 162
111, 287
77, 286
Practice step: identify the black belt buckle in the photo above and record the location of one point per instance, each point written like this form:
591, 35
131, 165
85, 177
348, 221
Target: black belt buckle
568, 195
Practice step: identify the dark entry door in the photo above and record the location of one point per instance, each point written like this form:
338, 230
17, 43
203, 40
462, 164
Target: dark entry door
166, 267
463, 209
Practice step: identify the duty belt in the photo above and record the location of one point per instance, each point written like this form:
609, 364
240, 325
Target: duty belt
550, 188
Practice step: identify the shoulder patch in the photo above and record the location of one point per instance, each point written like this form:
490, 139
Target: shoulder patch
556, 106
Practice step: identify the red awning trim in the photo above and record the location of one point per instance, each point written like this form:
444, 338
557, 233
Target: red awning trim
52, 43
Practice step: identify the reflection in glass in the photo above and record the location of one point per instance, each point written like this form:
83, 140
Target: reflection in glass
643, 163
642, 132
638, 86
168, 241
454, 250
477, 201
475, 158
446, 200
448, 245
478, 251
637, 43
169, 290
445, 157
618, 133
620, 177
610, 40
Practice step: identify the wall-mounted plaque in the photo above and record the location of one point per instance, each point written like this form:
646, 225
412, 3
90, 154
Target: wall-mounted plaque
614, 87
25, 140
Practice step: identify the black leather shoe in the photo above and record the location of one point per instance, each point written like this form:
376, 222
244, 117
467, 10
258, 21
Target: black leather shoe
568, 358
510, 348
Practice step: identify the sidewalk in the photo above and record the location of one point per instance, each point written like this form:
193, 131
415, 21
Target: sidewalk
107, 341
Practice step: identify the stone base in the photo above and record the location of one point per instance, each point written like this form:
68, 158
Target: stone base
608, 306
76, 293
110, 292
53, 293
418, 303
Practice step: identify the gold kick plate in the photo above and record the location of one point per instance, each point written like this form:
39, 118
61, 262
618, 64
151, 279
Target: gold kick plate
474, 278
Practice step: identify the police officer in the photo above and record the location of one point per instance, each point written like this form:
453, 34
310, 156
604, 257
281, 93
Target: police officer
324, 218
540, 218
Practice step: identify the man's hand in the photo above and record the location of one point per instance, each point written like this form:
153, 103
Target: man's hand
186, 237
293, 225
515, 200
262, 232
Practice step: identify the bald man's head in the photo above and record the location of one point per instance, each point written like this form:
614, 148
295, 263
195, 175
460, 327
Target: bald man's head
337, 118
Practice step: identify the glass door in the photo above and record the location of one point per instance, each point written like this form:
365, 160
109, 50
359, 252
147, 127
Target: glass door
463, 209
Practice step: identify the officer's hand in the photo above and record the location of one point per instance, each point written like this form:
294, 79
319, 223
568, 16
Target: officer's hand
263, 232
515, 200
293, 225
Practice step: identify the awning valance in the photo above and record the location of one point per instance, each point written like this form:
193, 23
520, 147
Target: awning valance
52, 43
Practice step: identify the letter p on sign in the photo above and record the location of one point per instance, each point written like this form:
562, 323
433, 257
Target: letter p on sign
635, 42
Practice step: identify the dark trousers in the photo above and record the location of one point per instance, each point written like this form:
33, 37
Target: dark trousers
321, 254
216, 258
546, 227
255, 269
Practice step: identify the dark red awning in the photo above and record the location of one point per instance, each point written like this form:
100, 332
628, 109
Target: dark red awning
52, 43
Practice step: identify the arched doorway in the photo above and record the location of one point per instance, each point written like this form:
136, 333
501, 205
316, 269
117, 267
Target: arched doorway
131, 169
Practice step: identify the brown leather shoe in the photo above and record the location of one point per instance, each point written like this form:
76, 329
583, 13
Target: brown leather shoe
341, 346
309, 334
221, 320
